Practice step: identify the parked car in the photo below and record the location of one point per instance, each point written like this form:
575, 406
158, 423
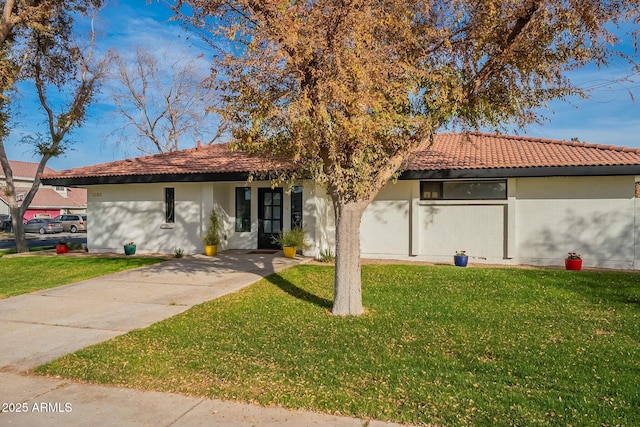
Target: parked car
73, 222
5, 223
42, 226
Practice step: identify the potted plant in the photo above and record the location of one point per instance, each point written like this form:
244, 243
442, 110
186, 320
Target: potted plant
129, 248
460, 259
211, 239
291, 240
573, 261
62, 247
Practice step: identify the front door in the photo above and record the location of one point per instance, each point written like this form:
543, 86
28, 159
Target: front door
269, 216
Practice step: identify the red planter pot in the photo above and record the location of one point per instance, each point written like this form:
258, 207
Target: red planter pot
573, 264
62, 249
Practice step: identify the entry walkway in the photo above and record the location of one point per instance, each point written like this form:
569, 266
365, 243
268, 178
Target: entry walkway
42, 326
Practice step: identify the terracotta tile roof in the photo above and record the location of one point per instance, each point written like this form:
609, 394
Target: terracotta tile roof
24, 170
50, 199
452, 151
215, 158
487, 151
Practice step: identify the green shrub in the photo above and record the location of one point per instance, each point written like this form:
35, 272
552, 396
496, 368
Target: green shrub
74, 246
294, 238
326, 255
212, 236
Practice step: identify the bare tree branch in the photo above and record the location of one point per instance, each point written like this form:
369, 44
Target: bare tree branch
164, 103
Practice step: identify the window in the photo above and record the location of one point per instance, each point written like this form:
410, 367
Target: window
463, 190
430, 190
169, 205
296, 207
243, 209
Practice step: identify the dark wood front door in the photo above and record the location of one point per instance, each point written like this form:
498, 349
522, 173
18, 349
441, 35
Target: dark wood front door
269, 216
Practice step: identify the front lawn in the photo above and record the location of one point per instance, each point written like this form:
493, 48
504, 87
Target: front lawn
21, 275
438, 345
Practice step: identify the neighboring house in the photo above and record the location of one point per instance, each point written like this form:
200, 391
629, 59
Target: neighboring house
49, 201
503, 199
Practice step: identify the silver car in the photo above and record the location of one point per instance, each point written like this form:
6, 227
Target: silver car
42, 226
73, 222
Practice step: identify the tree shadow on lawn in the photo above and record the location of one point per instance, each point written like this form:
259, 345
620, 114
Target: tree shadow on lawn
297, 292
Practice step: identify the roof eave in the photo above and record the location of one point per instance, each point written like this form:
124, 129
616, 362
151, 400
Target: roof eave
146, 179
525, 172
57, 206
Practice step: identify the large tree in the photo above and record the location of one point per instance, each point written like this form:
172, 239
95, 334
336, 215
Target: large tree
38, 47
163, 101
348, 90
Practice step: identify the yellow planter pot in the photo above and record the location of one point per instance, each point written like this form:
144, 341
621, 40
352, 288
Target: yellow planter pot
289, 252
210, 250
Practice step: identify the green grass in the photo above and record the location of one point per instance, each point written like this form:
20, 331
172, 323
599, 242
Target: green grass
438, 345
4, 252
21, 275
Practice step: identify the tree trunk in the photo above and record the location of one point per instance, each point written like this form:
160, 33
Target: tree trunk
348, 283
18, 229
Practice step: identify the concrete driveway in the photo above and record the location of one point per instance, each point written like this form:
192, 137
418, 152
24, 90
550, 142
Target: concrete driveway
41, 326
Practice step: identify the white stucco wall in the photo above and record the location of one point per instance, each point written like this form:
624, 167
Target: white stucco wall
398, 225
594, 216
541, 220
319, 220
385, 229
135, 212
447, 228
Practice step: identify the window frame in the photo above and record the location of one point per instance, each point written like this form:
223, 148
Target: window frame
297, 212
242, 223
442, 190
169, 205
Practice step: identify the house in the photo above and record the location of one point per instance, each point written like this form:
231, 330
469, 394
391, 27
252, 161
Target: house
504, 199
49, 201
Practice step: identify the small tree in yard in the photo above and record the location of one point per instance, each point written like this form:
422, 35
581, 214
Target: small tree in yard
348, 90
38, 46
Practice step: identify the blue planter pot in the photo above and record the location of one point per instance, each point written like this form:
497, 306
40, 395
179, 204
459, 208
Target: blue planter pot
129, 249
461, 261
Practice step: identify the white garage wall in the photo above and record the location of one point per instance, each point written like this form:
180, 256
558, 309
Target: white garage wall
385, 229
478, 229
594, 216
542, 220
399, 225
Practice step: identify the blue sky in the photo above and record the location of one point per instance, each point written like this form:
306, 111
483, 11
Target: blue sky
610, 117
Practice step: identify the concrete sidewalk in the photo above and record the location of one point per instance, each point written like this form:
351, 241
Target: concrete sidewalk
42, 326
47, 402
